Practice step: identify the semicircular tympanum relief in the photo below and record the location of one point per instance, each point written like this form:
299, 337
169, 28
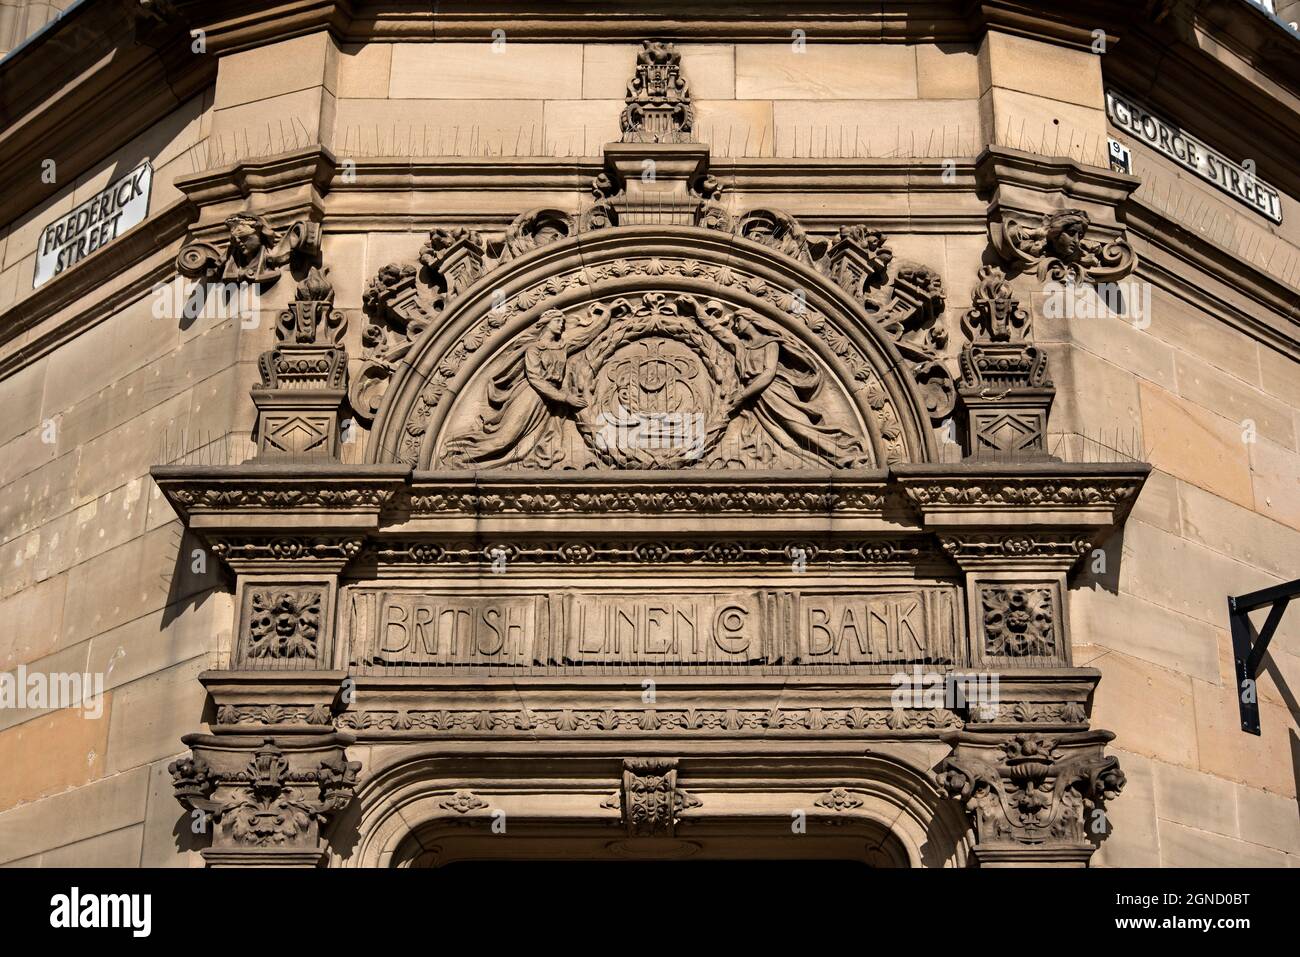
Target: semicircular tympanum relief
654, 348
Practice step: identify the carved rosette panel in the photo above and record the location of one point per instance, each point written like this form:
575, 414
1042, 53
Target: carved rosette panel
1018, 622
283, 623
1030, 789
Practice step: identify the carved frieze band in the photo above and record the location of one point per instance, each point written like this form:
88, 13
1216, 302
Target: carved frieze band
637, 722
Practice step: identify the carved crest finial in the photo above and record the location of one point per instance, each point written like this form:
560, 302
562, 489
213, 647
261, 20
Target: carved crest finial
658, 99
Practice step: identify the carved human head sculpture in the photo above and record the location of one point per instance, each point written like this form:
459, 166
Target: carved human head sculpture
249, 237
1065, 231
742, 323
553, 320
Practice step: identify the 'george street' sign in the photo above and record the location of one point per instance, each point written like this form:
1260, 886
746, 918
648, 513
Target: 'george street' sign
94, 224
1234, 179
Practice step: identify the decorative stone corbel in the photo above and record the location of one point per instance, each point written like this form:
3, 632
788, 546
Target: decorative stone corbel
1054, 218
255, 251
304, 378
649, 799
265, 805
1033, 798
1006, 392
1055, 248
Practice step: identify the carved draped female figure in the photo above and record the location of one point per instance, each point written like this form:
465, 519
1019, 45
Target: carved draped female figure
534, 389
780, 385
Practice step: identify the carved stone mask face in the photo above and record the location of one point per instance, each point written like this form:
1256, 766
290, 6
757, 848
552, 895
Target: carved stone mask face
555, 325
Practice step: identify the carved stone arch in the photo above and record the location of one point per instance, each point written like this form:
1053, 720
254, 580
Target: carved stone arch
426, 809
600, 266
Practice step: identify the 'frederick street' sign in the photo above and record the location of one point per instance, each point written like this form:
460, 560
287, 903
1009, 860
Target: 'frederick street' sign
93, 224
1236, 179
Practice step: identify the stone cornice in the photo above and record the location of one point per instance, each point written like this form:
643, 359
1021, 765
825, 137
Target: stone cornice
280, 188
323, 498
1165, 242
1058, 495
312, 517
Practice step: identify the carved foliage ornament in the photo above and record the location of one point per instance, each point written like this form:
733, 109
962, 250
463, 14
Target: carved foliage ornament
1032, 788
307, 355
267, 804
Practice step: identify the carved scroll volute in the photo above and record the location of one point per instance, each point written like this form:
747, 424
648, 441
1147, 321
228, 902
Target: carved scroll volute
1032, 798
254, 251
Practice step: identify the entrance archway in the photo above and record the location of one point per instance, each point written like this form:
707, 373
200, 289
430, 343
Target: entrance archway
431, 810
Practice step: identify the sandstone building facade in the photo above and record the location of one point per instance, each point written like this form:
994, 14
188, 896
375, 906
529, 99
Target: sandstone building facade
528, 432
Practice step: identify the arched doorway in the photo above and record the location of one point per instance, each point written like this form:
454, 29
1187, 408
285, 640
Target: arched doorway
434, 810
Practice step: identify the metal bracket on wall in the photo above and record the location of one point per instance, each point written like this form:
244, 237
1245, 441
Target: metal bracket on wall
1247, 657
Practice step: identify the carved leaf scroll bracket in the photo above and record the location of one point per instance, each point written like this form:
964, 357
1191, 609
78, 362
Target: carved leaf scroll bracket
254, 251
